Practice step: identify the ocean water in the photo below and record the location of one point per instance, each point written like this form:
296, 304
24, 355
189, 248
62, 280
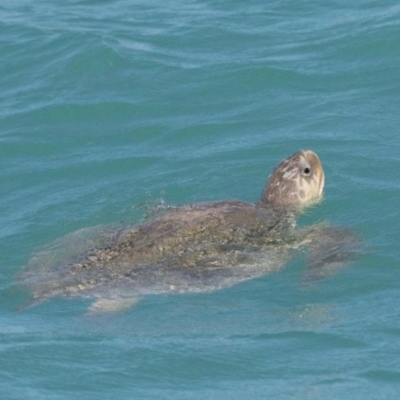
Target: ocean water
111, 107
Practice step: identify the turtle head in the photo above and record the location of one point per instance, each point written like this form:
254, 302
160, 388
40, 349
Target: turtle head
296, 183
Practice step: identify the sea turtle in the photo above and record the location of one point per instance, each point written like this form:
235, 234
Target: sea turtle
195, 248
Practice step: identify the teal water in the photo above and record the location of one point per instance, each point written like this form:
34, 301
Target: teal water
110, 107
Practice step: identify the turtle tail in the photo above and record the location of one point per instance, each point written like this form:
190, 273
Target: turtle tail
30, 303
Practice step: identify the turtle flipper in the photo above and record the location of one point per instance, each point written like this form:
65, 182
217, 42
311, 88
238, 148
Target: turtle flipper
329, 249
105, 306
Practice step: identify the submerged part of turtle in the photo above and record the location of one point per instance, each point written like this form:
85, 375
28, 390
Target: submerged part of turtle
196, 248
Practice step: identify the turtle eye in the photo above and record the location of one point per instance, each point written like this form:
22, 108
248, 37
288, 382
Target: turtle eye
306, 171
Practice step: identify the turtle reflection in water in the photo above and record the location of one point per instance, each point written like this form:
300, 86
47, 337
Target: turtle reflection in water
196, 248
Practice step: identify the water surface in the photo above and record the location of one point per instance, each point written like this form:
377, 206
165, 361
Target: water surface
109, 106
